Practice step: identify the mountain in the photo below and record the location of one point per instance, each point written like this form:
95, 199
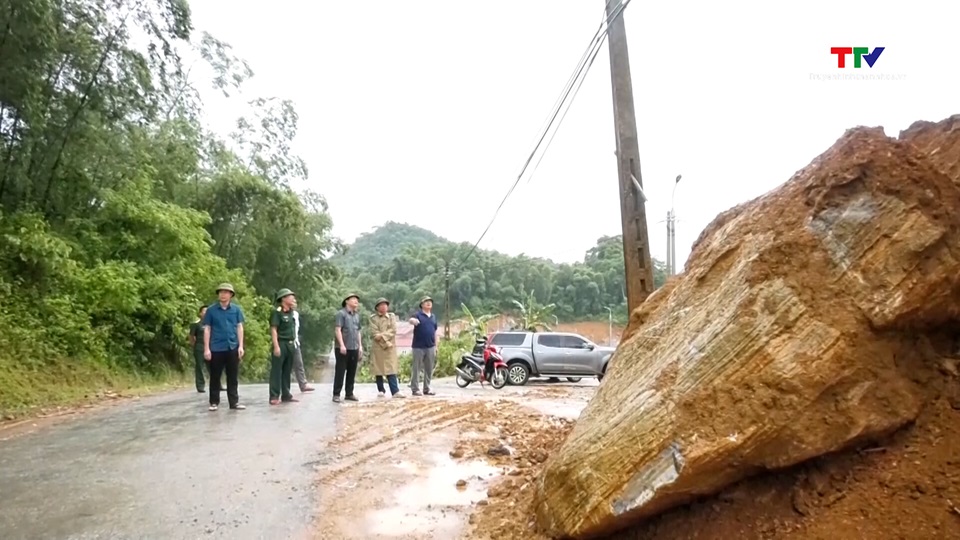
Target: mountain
404, 262
386, 242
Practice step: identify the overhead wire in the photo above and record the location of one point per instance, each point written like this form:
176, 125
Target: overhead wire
566, 97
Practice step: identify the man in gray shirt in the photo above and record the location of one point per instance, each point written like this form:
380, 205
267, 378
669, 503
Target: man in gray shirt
348, 350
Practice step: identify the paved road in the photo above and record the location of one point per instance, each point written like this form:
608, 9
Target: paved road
164, 467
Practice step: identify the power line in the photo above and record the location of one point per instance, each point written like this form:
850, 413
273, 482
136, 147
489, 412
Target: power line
583, 67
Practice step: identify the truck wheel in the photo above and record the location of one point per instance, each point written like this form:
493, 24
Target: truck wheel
574, 379
519, 374
602, 373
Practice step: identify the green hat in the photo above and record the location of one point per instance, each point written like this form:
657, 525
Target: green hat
284, 293
381, 300
225, 287
424, 299
347, 297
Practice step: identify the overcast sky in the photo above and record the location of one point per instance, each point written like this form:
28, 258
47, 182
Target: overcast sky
423, 111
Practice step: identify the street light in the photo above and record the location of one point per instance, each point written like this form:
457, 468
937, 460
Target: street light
610, 327
672, 232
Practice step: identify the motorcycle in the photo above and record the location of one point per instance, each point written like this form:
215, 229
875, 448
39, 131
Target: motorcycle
484, 364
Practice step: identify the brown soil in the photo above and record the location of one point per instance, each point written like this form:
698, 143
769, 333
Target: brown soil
407, 469
520, 443
905, 487
596, 331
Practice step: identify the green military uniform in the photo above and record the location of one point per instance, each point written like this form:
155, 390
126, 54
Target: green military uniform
281, 366
196, 330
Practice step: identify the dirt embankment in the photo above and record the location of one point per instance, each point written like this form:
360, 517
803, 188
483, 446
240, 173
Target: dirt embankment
904, 487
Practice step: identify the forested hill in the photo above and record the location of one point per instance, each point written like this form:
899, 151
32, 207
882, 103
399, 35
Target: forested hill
403, 262
385, 243
120, 212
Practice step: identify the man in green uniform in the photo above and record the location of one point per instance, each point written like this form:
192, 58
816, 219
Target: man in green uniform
284, 336
196, 341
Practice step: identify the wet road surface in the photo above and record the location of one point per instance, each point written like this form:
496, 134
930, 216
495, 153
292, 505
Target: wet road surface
165, 467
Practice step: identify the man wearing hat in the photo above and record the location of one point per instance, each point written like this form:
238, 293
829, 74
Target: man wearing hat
223, 345
424, 346
383, 327
284, 337
349, 347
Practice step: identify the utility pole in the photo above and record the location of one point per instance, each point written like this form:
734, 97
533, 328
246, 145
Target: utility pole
446, 300
633, 215
672, 232
669, 242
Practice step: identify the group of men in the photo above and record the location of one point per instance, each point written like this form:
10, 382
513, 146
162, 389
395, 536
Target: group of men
217, 340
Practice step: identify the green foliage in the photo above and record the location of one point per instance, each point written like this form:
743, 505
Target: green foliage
384, 244
532, 316
473, 326
119, 212
386, 263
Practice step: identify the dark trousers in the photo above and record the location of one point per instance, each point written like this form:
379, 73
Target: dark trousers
220, 361
198, 366
391, 380
280, 369
346, 368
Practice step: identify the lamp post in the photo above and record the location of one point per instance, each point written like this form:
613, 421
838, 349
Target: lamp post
672, 232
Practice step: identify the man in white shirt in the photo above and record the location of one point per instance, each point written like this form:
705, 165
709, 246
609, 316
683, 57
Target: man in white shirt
298, 369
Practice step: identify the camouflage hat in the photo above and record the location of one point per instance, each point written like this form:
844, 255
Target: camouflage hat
283, 293
225, 287
347, 297
381, 300
425, 299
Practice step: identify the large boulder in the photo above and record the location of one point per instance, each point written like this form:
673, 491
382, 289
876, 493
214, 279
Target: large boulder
776, 345
940, 141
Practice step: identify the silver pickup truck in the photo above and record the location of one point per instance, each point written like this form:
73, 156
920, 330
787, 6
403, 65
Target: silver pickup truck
550, 354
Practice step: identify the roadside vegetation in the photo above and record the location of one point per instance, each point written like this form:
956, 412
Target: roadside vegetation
120, 212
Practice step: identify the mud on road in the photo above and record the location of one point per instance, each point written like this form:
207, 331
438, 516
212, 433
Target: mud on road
427, 467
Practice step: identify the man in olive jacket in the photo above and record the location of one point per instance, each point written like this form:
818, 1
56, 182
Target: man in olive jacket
383, 328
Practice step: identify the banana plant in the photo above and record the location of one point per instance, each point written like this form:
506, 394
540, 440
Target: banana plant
473, 326
532, 315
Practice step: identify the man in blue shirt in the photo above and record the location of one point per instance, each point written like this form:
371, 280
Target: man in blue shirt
223, 345
424, 347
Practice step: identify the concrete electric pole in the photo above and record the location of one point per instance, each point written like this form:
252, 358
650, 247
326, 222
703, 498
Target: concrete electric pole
446, 300
633, 215
672, 233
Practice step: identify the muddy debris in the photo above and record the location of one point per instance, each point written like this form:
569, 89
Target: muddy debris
893, 483
499, 450
795, 332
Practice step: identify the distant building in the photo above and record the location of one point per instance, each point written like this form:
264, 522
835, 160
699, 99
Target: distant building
404, 337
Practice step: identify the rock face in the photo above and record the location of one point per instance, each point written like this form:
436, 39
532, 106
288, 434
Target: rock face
940, 142
778, 343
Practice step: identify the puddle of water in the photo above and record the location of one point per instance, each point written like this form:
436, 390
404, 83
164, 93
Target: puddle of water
570, 410
424, 505
405, 466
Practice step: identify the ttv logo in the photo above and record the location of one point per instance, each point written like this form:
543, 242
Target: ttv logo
858, 54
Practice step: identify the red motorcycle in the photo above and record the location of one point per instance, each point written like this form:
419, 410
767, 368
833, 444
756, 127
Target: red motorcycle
485, 364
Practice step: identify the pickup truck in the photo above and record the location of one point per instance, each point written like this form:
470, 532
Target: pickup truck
550, 354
